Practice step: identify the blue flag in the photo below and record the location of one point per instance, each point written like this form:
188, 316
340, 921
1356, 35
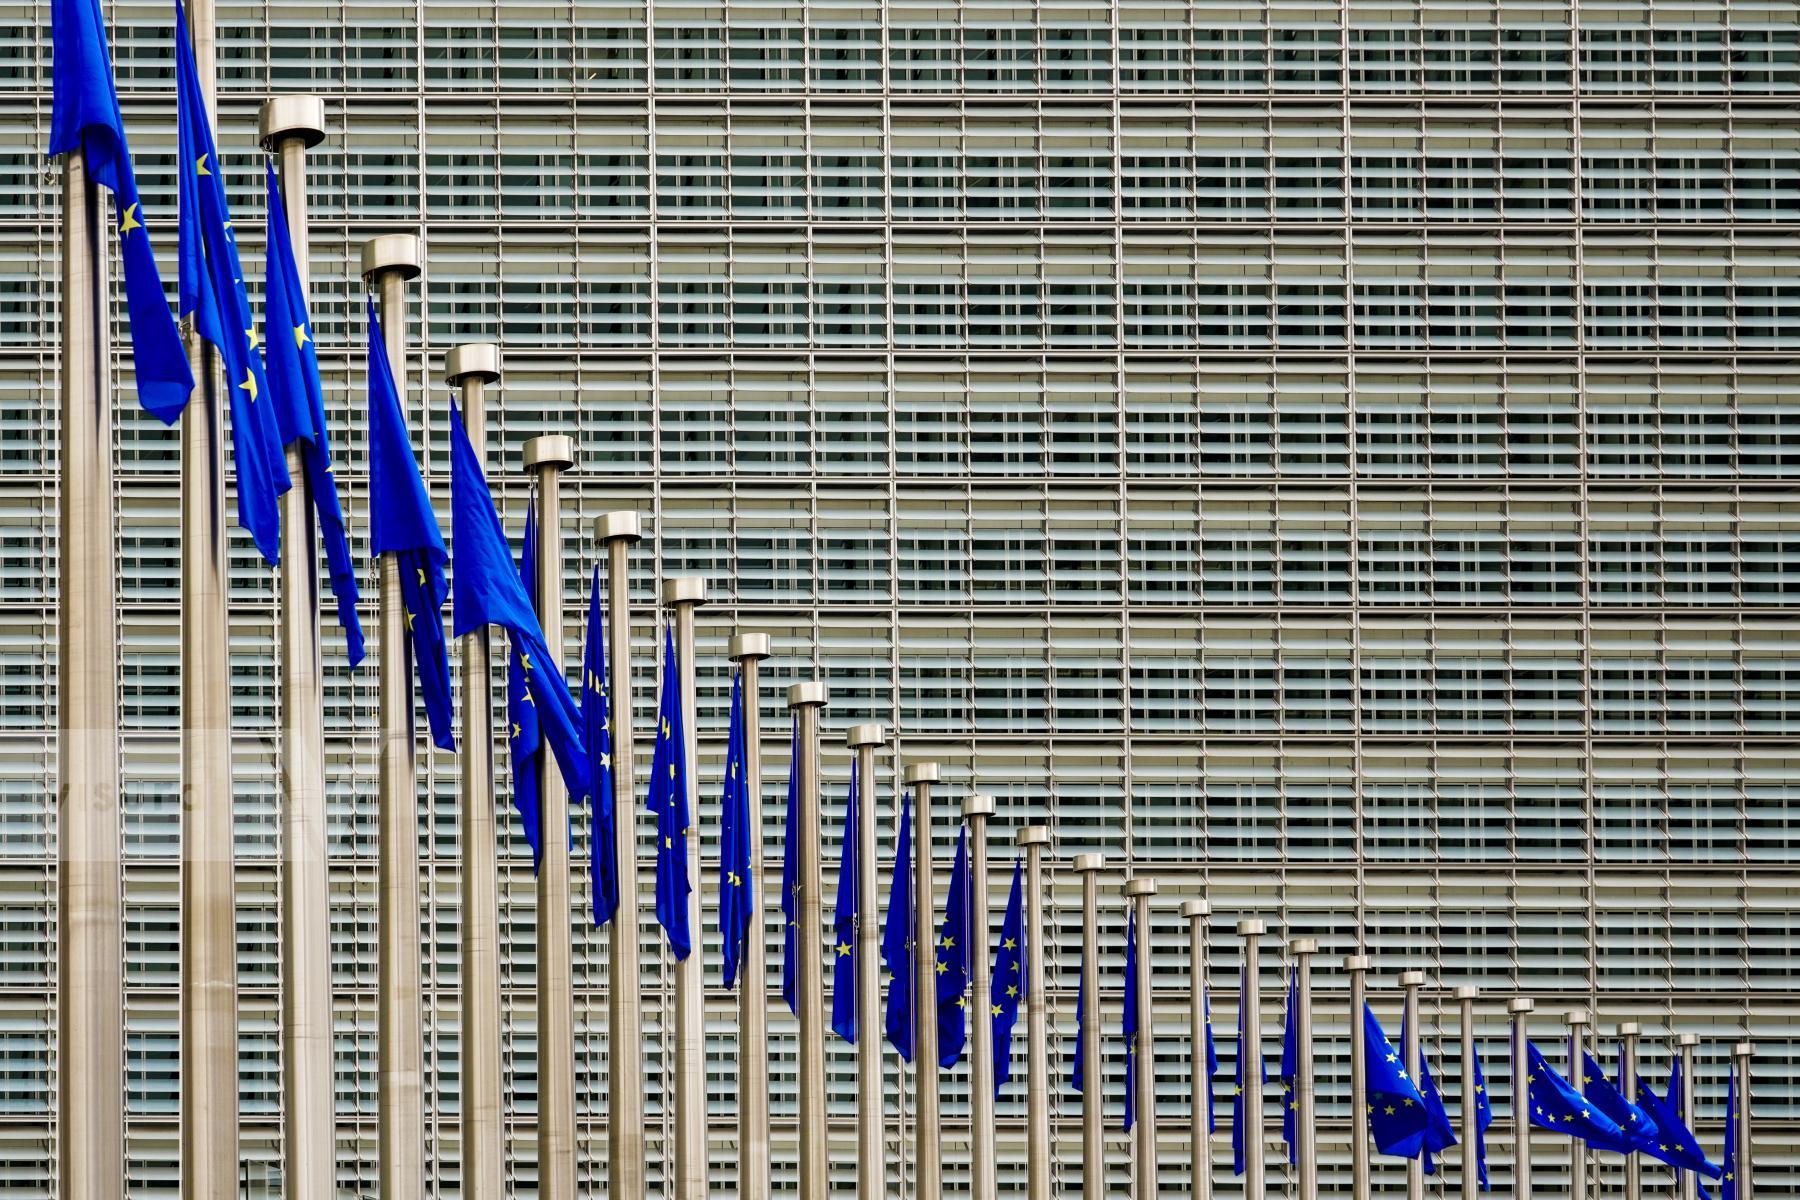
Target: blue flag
897, 936
1639, 1126
1675, 1143
1484, 1118
1728, 1188
1558, 1106
843, 923
1008, 985
1131, 1021
1078, 1073
84, 115
790, 877
596, 735
1244, 1051
213, 296
401, 523
293, 369
489, 592
1438, 1135
1290, 1064
1211, 1061
737, 896
1397, 1113
952, 964
669, 803
525, 739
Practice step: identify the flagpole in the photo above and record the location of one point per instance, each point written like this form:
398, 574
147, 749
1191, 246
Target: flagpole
1200, 1090
1410, 982
682, 596
807, 699
983, 1184
1746, 1171
1305, 1098
470, 368
1688, 1182
748, 650
387, 263
928, 1183
1138, 892
624, 997
1033, 838
1251, 931
1357, 967
1093, 1157
90, 1101
209, 1061
1520, 1009
871, 1147
1578, 1158
1470, 1119
1628, 1053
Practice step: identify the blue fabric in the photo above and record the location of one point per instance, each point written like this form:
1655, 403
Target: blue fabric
1008, 985
1558, 1106
524, 734
84, 115
1728, 1188
897, 937
212, 294
293, 370
1290, 1064
1131, 1021
952, 961
1438, 1134
1484, 1119
737, 888
1675, 1143
1639, 1126
1212, 1056
1244, 1051
1078, 1073
790, 877
669, 804
843, 922
1397, 1114
596, 735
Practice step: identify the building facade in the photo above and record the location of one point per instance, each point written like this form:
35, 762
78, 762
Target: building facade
1336, 458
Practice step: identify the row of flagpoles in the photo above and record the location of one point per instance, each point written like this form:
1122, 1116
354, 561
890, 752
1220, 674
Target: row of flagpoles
562, 749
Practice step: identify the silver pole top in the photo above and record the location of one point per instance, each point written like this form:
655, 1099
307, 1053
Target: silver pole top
748, 645
1467, 992
1520, 1004
1034, 835
1196, 908
1140, 887
921, 772
552, 450
1743, 1050
1629, 1029
871, 734
616, 526
977, 805
1252, 928
1687, 1039
813, 691
1302, 945
1576, 1017
684, 589
1090, 862
472, 360
283, 117
1412, 979
1356, 962
392, 252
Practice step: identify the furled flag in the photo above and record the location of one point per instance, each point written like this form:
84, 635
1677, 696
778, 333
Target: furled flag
1244, 1051
1290, 1065
401, 523
1675, 1143
897, 938
213, 297
1438, 1135
525, 739
737, 896
669, 804
790, 877
1008, 987
293, 370
843, 924
596, 735
1131, 1021
1484, 1118
1639, 1126
1396, 1109
1557, 1105
84, 115
952, 965
1728, 1188
1078, 1073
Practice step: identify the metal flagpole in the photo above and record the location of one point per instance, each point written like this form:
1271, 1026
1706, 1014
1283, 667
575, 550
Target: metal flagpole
1138, 893
1471, 1169
1520, 1009
1687, 1187
387, 263
928, 1184
748, 650
807, 699
1578, 1156
624, 997
1093, 1157
1251, 931
871, 1147
288, 126
1357, 967
1746, 1171
1304, 1100
209, 1062
682, 596
1410, 982
1199, 1131
90, 1101
982, 1182
1628, 1073
1037, 1016
470, 368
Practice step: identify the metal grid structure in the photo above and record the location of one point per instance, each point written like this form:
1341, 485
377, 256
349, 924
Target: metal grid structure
1332, 454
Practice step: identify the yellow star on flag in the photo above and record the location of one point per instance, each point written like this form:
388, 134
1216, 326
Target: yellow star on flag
130, 221
249, 385
300, 338
200, 166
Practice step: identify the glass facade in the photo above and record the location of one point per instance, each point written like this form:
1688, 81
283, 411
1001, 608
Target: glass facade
1337, 457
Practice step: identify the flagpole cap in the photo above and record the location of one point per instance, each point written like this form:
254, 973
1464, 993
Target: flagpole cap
921, 772
1301, 945
472, 361
1196, 909
1521, 1004
618, 526
871, 734
1576, 1017
1687, 1039
1630, 1029
1140, 887
1090, 862
748, 645
1467, 992
552, 451
1743, 1050
1034, 835
684, 589
1412, 979
283, 117
977, 805
813, 691
1356, 962
391, 252
1252, 928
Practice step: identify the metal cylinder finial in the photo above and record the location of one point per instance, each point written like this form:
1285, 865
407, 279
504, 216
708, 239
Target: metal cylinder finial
1687, 1039
748, 645
1630, 1029
813, 691
1576, 1016
1196, 908
1034, 835
1303, 945
921, 772
1252, 927
552, 451
684, 589
868, 734
1520, 1004
472, 360
1466, 992
1090, 862
1356, 962
1140, 886
1743, 1050
977, 805
283, 117
615, 526
397, 252
1412, 979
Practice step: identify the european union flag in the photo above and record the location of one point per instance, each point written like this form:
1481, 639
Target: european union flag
1244, 1051
1728, 1188
1290, 1064
843, 924
84, 115
525, 739
213, 296
293, 370
401, 523
1558, 1106
1008, 986
790, 877
1484, 1118
952, 965
1438, 1135
1639, 1126
669, 803
596, 735
1396, 1109
1131, 1023
897, 935
1675, 1143
737, 897
1212, 1058
1078, 1073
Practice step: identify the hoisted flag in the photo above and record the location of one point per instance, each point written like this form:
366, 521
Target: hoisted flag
953, 960
596, 735
737, 890
1438, 1135
1078, 1072
1675, 1143
897, 936
1008, 986
843, 923
1558, 1106
1639, 1126
1237, 1102
790, 877
524, 738
1290, 1064
1131, 1022
1484, 1118
1396, 1109
669, 804
1728, 1187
